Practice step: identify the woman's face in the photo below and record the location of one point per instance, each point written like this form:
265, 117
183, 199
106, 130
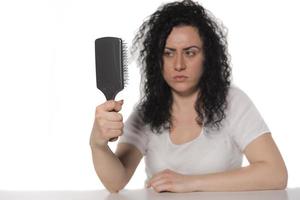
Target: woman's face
183, 60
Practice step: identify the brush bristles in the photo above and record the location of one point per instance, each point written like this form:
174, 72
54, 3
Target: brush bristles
125, 63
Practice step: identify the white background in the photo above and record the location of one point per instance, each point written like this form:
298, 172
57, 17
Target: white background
48, 87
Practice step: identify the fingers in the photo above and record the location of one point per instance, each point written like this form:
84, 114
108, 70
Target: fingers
108, 122
160, 183
111, 134
157, 181
158, 176
111, 105
112, 116
118, 105
111, 125
168, 180
163, 187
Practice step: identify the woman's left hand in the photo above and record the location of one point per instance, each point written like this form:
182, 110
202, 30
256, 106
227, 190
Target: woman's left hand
170, 181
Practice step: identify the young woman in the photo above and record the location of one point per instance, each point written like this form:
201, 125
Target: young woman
191, 124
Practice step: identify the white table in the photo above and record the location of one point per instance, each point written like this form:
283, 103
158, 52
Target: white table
149, 194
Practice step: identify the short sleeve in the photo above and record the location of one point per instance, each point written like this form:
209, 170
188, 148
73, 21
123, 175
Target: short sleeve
134, 132
245, 120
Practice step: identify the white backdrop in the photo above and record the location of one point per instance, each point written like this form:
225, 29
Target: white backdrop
48, 87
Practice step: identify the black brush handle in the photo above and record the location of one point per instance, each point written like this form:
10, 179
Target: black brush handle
110, 67
113, 139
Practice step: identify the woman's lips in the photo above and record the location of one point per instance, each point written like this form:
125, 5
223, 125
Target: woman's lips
180, 78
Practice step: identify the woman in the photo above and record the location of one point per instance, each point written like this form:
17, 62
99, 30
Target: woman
191, 124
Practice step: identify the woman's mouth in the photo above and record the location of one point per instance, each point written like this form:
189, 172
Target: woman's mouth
180, 78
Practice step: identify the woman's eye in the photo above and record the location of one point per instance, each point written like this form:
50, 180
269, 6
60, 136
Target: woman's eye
190, 53
168, 53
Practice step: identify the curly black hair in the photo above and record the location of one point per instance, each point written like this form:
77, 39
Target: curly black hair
156, 101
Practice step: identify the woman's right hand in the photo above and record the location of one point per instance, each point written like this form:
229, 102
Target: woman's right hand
108, 123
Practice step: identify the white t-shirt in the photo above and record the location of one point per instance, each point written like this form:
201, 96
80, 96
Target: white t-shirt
212, 151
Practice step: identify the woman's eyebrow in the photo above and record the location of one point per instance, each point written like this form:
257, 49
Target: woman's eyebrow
194, 46
186, 48
171, 49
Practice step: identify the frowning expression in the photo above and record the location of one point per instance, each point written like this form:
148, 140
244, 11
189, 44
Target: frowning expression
183, 59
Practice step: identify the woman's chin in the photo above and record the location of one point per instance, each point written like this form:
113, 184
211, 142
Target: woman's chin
184, 91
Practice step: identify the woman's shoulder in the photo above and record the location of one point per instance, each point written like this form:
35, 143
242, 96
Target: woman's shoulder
236, 95
237, 100
135, 116
135, 120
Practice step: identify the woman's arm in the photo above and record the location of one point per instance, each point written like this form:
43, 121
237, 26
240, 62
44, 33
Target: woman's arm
265, 171
115, 170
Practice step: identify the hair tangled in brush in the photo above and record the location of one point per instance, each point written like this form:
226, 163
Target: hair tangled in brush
156, 101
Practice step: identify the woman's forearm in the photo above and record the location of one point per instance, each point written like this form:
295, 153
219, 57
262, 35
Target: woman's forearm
109, 168
257, 176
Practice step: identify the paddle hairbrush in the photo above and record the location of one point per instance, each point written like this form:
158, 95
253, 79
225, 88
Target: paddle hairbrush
111, 66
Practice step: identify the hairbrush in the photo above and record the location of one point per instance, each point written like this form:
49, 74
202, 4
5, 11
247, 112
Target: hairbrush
111, 66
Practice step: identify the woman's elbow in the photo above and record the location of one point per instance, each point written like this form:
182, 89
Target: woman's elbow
281, 180
112, 191
115, 188
284, 182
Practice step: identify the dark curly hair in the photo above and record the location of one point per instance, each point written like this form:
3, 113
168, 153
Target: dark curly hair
156, 101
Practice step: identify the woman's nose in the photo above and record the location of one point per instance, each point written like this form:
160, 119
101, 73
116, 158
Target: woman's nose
179, 62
